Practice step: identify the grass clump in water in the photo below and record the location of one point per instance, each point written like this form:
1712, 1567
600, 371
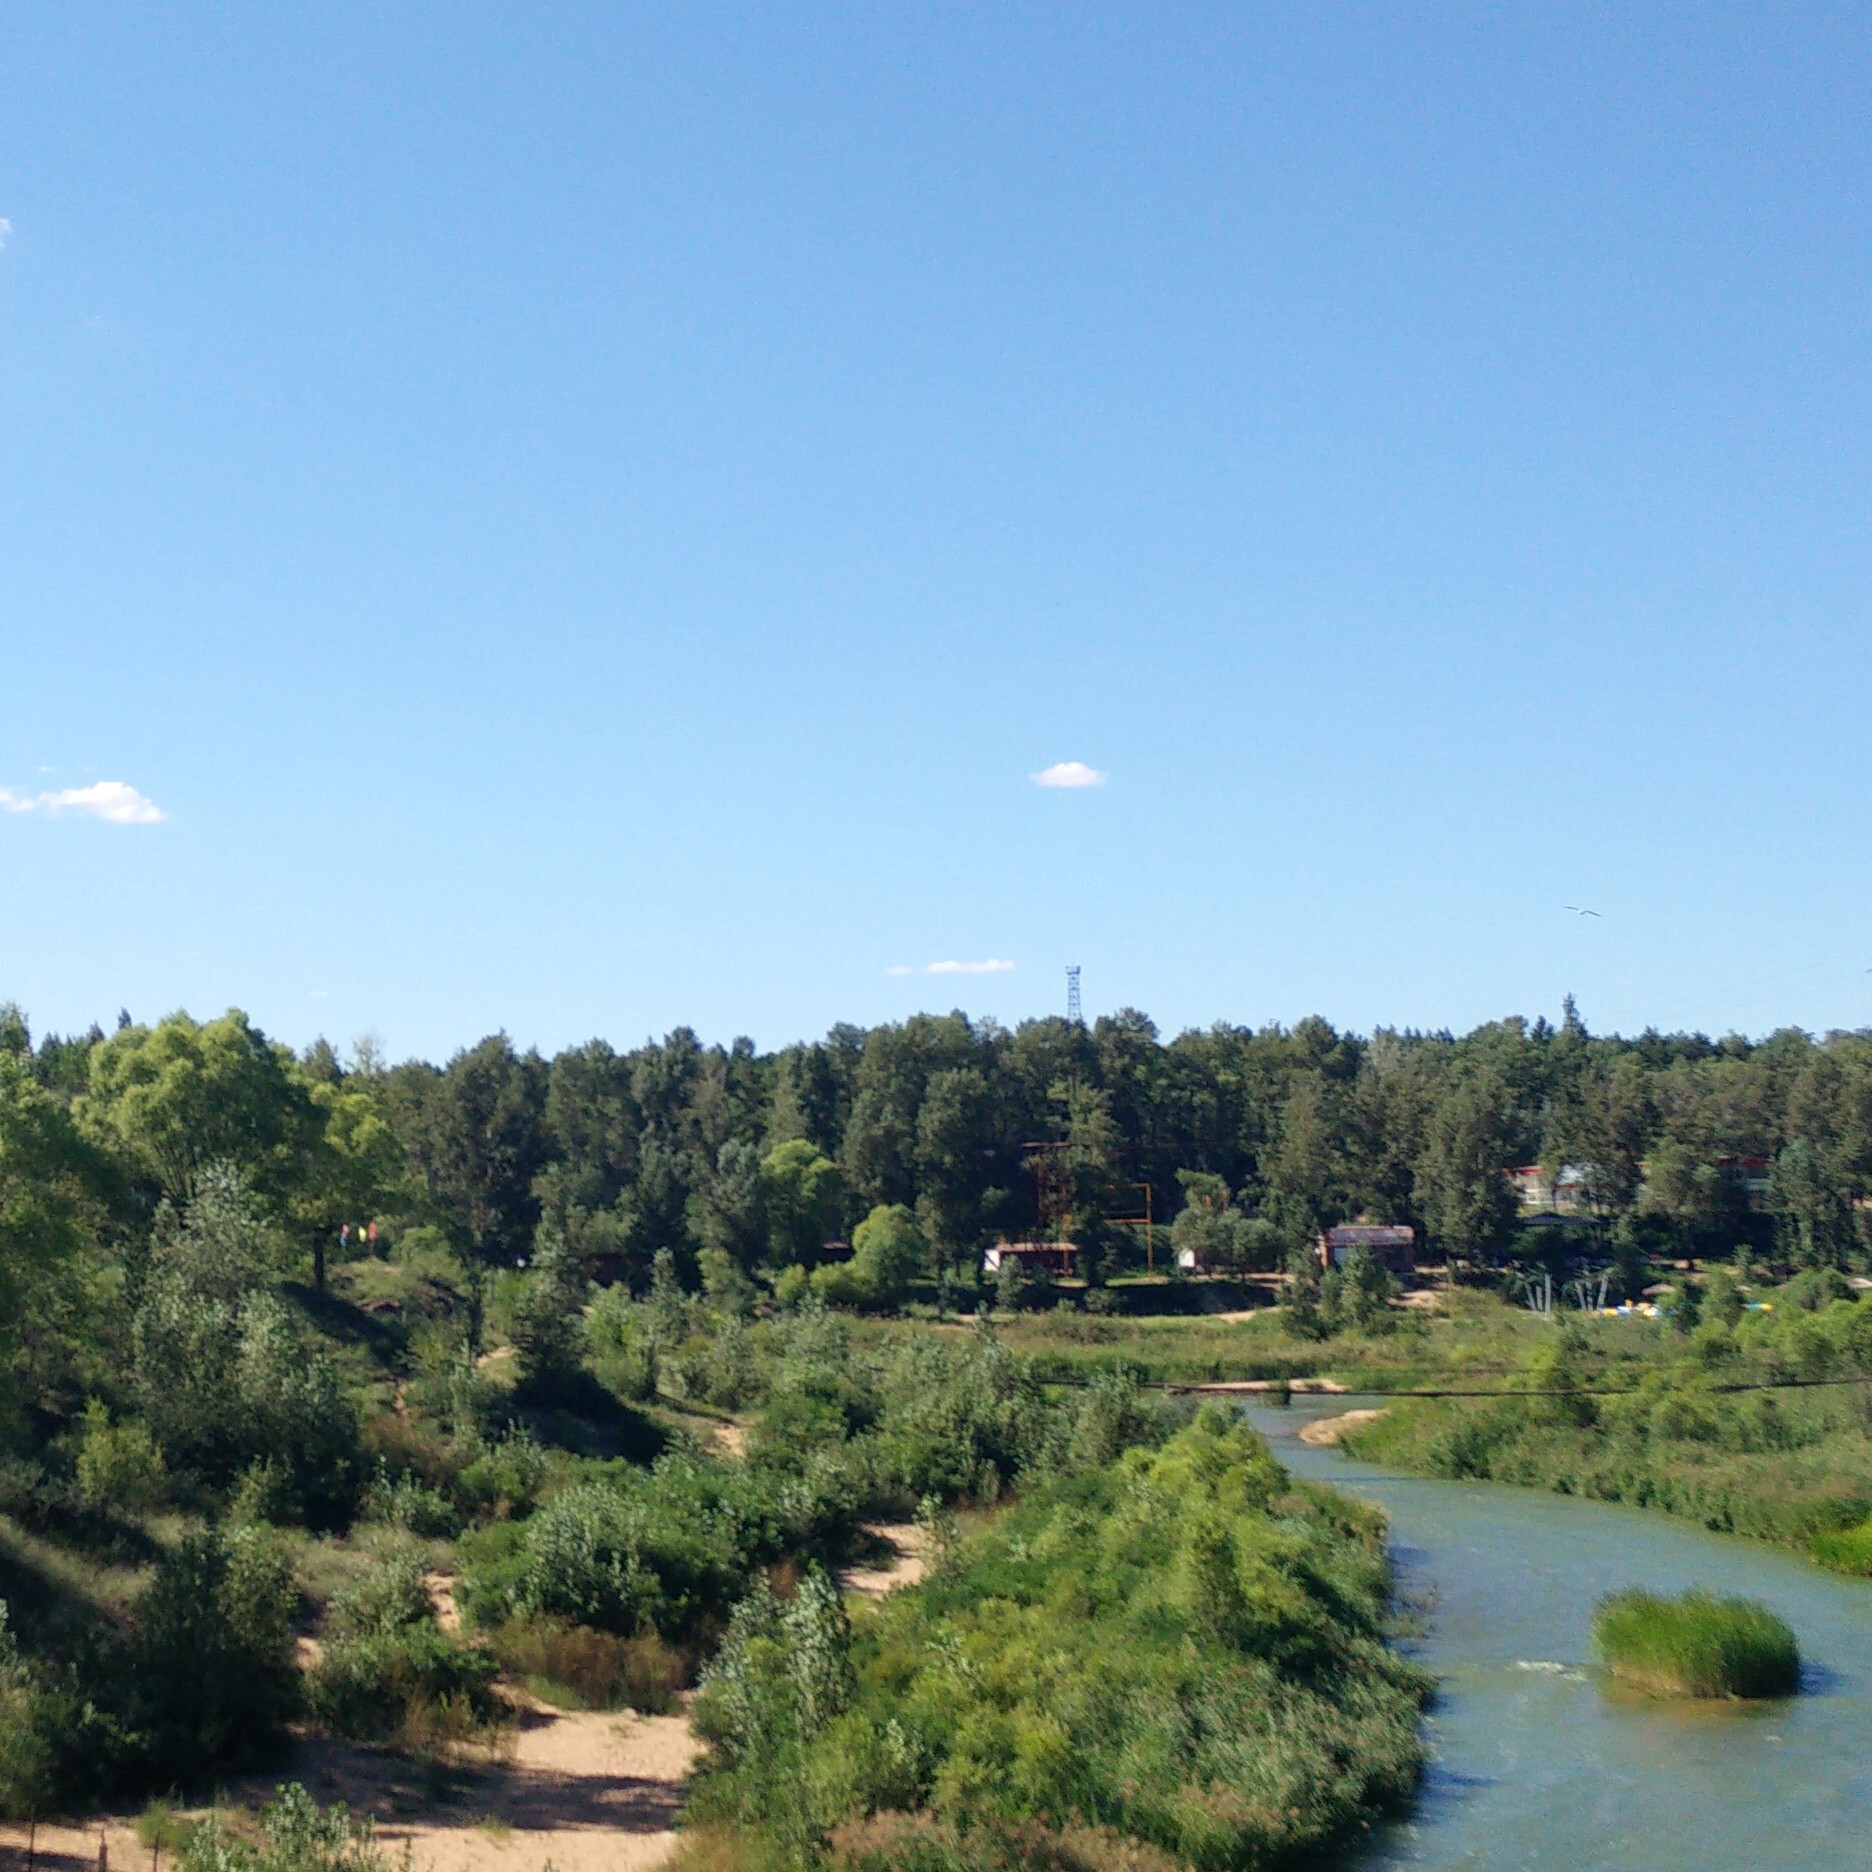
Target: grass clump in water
1697, 1645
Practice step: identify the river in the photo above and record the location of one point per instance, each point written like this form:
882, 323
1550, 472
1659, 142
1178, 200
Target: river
1534, 1768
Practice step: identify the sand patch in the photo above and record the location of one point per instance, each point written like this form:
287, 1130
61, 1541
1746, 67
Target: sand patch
1328, 1431
907, 1564
441, 1590
1235, 1387
589, 1792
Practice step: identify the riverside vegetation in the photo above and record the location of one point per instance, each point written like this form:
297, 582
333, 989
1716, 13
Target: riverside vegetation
1641, 1412
285, 1337
1696, 1646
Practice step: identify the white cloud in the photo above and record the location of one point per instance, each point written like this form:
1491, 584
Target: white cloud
114, 800
992, 966
6, 230
1070, 773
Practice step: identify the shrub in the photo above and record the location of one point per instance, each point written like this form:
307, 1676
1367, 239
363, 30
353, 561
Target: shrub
27, 1750
387, 1595
663, 1550
389, 1685
548, 1317
622, 1348
1697, 1646
119, 1466
889, 1251
226, 1383
387, 1665
212, 1675
1845, 1550
412, 1505
505, 1480
295, 1836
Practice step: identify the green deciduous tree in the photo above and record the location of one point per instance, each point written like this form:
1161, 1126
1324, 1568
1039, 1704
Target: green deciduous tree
805, 1197
51, 1185
182, 1095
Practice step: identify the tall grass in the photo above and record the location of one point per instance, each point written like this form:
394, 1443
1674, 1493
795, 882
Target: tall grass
579, 1668
1697, 1645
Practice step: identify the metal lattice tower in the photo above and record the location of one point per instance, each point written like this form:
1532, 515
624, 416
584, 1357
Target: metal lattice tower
1073, 1011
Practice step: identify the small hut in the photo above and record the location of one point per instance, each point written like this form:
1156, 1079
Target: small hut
1392, 1245
1054, 1260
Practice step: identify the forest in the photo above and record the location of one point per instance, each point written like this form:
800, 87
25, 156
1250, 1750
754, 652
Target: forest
287, 1337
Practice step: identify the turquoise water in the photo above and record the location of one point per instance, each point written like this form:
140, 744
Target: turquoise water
1534, 1767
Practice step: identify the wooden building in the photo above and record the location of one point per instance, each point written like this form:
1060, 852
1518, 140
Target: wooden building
1054, 1260
1392, 1245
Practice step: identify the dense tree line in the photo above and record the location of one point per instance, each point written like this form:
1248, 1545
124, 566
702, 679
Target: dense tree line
745, 1163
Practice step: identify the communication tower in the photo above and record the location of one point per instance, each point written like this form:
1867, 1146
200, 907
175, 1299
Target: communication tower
1073, 1010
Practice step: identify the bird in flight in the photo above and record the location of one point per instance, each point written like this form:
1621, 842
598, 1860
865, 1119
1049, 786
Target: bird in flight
1577, 911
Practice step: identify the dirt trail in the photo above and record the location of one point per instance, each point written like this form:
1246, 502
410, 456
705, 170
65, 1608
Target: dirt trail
908, 1561
61, 1848
589, 1792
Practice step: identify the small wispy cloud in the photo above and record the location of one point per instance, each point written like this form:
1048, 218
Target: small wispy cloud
114, 800
992, 966
1069, 773
6, 230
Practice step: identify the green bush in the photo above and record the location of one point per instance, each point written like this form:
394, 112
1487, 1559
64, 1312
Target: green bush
1845, 1550
387, 1685
412, 1505
386, 1596
28, 1744
211, 1661
505, 1479
668, 1549
889, 1251
119, 1466
295, 1835
1696, 1646
386, 1665
621, 1346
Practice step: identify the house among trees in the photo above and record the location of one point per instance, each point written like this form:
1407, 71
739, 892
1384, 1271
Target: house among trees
1054, 1260
1541, 1191
1392, 1245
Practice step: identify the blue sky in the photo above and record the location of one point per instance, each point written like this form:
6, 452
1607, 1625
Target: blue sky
586, 518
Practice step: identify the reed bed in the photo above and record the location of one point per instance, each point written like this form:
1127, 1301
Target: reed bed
1696, 1645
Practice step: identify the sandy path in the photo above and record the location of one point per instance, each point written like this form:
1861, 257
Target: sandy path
909, 1561
75, 1848
589, 1792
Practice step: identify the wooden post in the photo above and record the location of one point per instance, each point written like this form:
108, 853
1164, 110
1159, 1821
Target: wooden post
32, 1841
103, 1853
